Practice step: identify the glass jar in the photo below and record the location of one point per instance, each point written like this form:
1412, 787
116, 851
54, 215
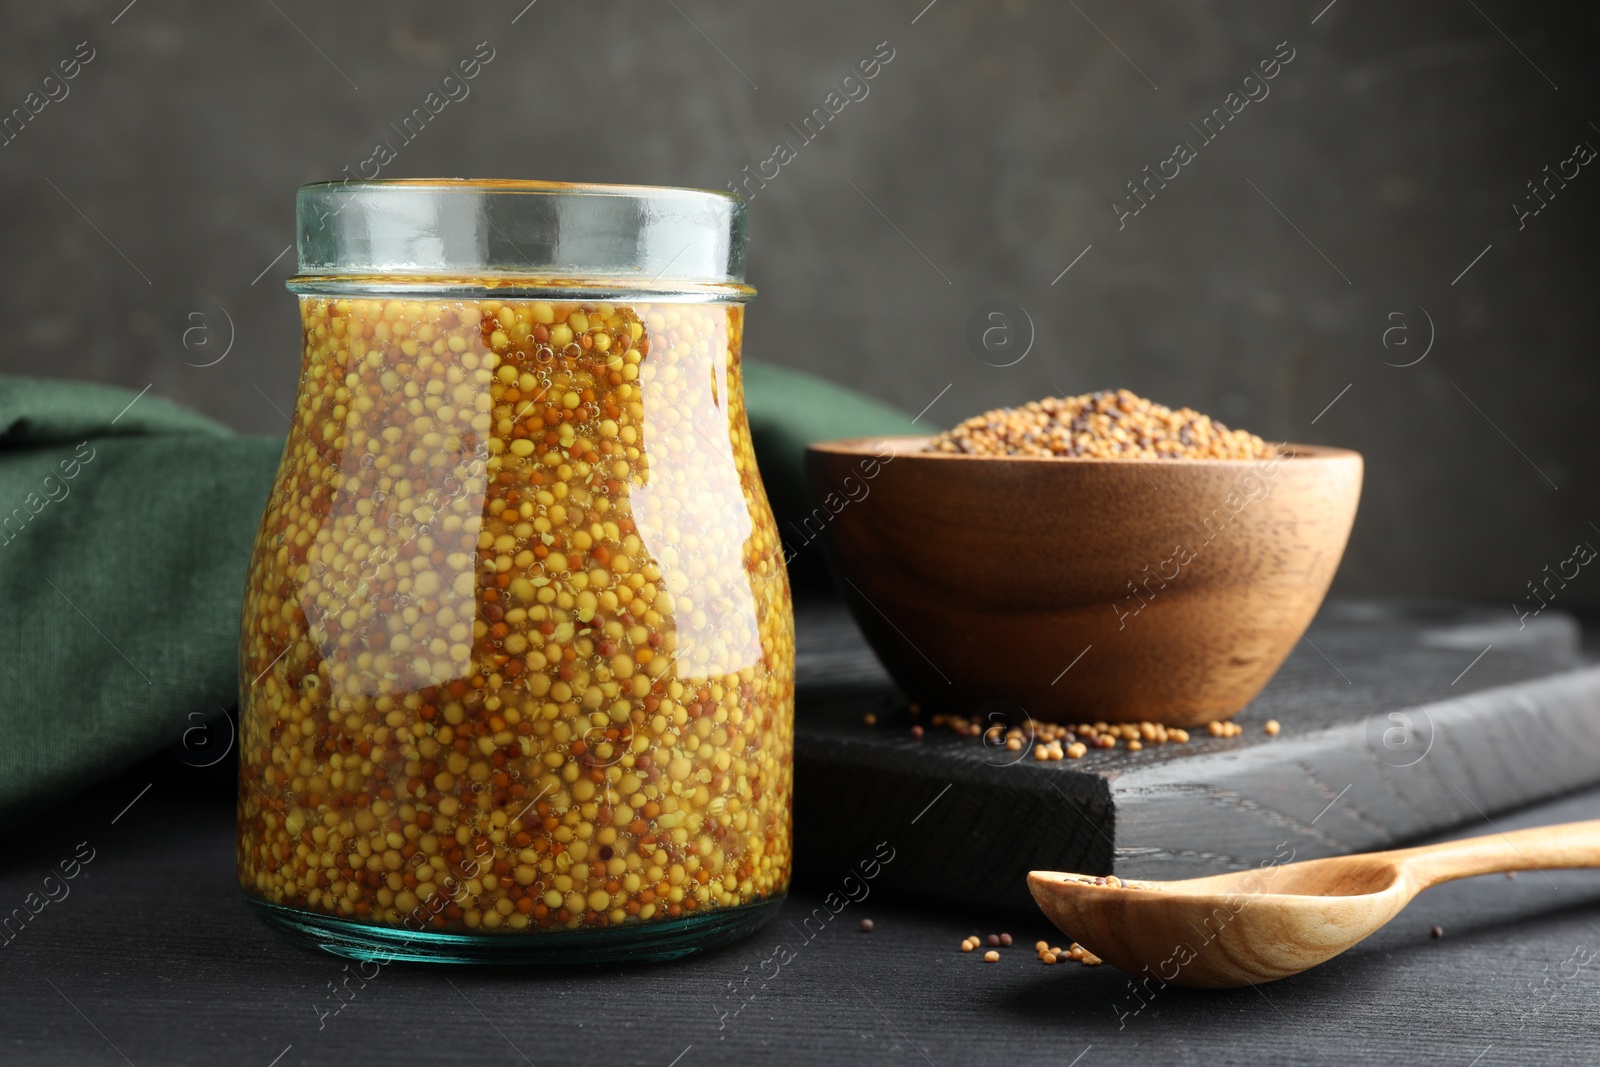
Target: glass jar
517, 654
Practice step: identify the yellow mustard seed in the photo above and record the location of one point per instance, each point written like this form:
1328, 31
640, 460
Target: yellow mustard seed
515, 642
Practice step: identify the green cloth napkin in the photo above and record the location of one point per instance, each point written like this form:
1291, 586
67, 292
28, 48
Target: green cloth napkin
126, 524
789, 410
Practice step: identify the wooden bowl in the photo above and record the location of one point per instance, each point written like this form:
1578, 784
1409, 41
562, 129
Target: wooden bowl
1081, 589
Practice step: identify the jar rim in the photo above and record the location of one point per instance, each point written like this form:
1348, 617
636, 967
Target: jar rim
613, 237
528, 185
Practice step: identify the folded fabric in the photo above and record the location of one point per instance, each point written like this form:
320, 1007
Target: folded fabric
126, 524
789, 410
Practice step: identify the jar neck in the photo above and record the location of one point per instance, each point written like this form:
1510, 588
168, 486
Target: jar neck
507, 287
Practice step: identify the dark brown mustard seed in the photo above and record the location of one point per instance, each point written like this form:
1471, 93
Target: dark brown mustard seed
866, 926
1005, 940
916, 732
994, 941
1437, 932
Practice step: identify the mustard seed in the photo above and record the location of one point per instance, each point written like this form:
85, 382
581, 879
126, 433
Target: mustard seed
1111, 881
1005, 940
991, 956
1053, 741
866, 926
1272, 727
1103, 425
994, 941
489, 690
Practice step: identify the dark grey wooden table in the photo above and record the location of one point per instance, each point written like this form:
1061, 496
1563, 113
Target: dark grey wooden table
152, 958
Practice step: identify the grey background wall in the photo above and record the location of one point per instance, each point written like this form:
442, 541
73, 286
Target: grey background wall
145, 213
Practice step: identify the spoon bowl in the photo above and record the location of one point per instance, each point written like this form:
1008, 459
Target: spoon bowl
1254, 926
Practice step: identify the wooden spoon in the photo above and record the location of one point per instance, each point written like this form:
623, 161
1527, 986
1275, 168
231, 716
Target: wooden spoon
1280, 919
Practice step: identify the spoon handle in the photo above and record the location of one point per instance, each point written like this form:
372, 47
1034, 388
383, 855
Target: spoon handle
1572, 844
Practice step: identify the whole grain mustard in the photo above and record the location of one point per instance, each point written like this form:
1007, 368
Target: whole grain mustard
517, 651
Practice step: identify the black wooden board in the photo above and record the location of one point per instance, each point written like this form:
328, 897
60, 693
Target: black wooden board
1399, 720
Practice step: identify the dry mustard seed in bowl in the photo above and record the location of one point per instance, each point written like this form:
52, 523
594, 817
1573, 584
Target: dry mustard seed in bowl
1080, 586
1105, 425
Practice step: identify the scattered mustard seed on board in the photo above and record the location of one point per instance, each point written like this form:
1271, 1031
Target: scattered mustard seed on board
1056, 741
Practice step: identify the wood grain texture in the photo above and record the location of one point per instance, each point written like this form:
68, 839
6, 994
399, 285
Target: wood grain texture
1266, 924
1182, 584
1480, 734
155, 959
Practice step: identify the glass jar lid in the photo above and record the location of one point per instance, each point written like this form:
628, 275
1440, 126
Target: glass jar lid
453, 234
